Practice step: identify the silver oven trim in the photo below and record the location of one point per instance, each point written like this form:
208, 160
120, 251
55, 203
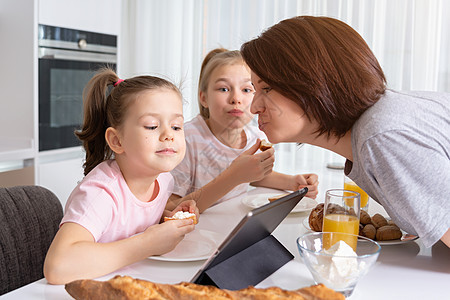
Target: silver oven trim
49, 53
75, 46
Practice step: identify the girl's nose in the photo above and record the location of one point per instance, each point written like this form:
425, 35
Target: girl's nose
167, 134
236, 98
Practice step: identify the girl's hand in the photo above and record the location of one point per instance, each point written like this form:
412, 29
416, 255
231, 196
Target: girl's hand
165, 236
187, 205
249, 167
307, 180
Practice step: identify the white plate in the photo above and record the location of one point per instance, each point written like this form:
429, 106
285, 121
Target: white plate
254, 201
305, 223
406, 237
196, 245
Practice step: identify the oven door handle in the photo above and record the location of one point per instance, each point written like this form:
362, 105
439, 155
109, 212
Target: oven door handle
60, 54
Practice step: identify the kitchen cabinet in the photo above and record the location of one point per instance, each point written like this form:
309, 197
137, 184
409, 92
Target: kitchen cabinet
18, 75
21, 162
101, 16
60, 171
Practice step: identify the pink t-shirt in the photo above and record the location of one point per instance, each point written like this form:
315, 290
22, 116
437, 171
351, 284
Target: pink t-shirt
104, 205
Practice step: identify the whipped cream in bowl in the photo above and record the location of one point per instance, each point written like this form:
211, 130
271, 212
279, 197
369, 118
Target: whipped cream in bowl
339, 267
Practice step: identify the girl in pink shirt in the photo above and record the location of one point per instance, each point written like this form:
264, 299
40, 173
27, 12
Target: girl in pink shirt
133, 138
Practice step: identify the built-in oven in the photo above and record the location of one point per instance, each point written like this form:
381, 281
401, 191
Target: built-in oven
68, 58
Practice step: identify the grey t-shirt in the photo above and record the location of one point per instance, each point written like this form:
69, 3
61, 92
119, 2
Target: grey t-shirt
401, 158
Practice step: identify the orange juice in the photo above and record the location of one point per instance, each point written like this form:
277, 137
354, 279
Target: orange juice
343, 224
351, 186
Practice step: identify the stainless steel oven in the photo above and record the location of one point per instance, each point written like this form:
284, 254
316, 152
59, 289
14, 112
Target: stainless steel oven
67, 60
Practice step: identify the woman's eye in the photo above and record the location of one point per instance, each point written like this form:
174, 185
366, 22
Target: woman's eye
223, 89
266, 89
151, 127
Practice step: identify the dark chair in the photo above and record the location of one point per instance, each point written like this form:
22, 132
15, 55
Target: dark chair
29, 219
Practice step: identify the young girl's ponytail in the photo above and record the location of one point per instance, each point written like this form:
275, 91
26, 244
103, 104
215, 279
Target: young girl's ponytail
95, 120
106, 100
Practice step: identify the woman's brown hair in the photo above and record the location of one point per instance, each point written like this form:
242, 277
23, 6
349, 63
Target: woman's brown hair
323, 65
106, 100
215, 58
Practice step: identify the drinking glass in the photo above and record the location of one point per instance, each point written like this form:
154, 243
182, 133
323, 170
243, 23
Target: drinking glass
352, 186
341, 215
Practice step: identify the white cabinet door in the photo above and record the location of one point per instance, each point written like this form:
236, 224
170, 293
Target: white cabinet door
61, 177
102, 16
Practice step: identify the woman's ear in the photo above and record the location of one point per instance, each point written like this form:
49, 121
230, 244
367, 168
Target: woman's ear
202, 99
113, 139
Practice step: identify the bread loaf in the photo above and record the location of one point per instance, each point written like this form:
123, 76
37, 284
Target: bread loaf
125, 287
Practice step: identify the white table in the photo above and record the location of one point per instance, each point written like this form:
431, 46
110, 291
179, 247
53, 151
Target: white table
407, 271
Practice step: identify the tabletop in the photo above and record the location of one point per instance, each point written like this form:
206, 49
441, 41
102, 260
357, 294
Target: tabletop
403, 271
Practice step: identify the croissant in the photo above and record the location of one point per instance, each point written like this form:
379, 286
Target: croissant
125, 287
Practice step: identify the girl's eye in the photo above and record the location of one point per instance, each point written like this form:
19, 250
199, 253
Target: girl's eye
247, 90
151, 127
177, 128
223, 89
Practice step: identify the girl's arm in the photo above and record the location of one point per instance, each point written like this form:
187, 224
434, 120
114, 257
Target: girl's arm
281, 181
74, 254
247, 167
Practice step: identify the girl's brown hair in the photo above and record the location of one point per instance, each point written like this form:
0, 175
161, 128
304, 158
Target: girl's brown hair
103, 110
323, 65
214, 59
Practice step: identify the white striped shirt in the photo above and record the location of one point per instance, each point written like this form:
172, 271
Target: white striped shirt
206, 157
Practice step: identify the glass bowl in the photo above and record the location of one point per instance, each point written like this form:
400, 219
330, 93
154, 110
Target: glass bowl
340, 271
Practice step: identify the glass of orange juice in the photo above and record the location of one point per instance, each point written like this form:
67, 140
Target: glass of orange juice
341, 215
352, 186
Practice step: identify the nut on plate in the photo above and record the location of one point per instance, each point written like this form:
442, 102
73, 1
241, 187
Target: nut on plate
379, 221
369, 231
364, 218
316, 218
388, 232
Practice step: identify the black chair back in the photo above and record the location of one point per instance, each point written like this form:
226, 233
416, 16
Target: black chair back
29, 220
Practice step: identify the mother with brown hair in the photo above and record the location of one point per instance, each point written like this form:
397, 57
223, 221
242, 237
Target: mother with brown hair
318, 82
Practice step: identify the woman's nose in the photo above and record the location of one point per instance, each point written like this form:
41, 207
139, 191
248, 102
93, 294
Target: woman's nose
257, 106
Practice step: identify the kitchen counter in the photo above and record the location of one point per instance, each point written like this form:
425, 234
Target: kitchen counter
15, 149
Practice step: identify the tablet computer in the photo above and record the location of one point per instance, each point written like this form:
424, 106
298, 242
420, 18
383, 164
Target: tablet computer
250, 253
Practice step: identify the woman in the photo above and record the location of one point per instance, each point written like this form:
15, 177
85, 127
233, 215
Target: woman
317, 82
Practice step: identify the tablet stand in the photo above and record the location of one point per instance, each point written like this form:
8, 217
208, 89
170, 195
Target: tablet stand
248, 267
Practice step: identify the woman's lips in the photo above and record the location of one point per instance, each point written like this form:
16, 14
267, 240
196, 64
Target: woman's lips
261, 125
236, 112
